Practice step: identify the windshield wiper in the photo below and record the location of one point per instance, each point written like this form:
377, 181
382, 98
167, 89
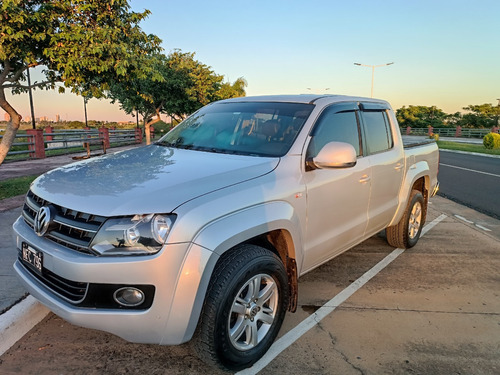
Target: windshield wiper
165, 144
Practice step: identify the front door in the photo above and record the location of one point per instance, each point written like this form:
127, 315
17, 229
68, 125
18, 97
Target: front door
337, 199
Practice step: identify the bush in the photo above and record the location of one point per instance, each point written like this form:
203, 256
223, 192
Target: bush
491, 141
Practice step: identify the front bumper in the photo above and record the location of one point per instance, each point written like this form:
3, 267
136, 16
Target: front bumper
175, 272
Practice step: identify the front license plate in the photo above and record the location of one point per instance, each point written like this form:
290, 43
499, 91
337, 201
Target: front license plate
33, 257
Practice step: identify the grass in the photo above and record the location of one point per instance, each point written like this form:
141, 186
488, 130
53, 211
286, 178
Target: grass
447, 145
15, 186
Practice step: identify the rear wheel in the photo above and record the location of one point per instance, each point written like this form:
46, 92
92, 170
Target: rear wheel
244, 308
406, 233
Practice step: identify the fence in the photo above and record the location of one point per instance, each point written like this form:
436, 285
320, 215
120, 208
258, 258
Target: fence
449, 132
37, 143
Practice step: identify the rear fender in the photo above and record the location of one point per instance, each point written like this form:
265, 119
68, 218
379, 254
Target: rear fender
414, 173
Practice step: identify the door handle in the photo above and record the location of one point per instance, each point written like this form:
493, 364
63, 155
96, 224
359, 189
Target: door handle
364, 179
399, 166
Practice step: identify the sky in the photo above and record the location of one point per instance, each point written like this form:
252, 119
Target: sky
445, 52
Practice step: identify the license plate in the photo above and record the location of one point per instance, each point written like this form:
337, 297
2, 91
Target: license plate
33, 257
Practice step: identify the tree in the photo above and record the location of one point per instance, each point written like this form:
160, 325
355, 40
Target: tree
144, 95
83, 43
185, 86
191, 84
420, 116
235, 90
481, 116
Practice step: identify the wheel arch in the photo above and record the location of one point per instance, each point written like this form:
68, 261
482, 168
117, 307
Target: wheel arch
273, 226
417, 178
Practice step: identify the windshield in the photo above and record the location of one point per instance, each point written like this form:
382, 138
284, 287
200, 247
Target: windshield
249, 128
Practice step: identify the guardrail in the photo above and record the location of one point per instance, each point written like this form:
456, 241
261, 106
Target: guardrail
37, 143
449, 132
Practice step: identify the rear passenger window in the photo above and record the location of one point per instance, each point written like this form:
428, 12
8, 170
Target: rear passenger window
377, 131
334, 126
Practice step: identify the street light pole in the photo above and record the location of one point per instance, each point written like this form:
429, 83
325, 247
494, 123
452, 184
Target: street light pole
31, 99
85, 110
373, 71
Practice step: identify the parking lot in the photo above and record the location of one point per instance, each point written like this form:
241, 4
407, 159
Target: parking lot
433, 309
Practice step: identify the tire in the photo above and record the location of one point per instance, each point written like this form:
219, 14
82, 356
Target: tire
244, 308
406, 233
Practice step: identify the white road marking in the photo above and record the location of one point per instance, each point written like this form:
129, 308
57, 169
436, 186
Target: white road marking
303, 327
483, 228
471, 222
470, 170
463, 219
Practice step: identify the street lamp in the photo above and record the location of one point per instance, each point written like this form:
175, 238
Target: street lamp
373, 71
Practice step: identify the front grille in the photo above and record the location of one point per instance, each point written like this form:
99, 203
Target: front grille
72, 291
70, 228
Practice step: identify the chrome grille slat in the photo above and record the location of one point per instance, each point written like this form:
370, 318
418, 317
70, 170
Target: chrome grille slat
61, 238
80, 226
72, 229
72, 291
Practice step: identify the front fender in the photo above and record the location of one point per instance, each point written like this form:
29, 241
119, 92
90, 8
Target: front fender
210, 243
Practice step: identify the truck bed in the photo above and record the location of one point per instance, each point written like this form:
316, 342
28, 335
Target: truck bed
409, 142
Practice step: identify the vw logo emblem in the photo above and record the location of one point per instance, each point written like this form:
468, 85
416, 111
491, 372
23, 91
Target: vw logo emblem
42, 220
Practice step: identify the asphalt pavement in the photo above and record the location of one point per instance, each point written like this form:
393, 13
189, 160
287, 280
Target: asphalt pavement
471, 180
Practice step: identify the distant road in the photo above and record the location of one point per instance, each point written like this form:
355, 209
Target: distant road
473, 181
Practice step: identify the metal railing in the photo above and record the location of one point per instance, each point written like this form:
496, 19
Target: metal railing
68, 139
22, 144
449, 132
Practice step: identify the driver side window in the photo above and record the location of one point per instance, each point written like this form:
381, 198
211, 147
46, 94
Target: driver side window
335, 126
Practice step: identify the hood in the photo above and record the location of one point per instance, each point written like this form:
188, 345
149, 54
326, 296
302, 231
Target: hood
151, 179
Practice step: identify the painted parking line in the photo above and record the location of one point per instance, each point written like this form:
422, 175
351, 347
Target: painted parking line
463, 219
471, 222
469, 170
303, 327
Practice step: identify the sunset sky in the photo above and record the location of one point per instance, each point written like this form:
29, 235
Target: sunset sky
445, 53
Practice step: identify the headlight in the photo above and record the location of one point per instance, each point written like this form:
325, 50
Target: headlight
135, 235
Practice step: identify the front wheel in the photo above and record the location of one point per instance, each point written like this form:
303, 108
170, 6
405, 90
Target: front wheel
244, 308
406, 233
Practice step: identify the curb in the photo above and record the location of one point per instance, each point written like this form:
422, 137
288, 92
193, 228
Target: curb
470, 153
17, 321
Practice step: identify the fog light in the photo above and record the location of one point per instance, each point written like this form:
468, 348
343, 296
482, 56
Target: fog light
129, 297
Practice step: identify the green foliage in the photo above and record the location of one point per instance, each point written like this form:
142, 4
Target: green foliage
194, 85
478, 116
85, 44
184, 85
143, 94
491, 141
420, 116
481, 116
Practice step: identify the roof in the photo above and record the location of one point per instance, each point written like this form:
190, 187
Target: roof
303, 98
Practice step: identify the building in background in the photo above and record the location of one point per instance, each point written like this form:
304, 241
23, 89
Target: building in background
6, 117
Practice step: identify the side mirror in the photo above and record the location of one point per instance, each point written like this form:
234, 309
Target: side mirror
334, 155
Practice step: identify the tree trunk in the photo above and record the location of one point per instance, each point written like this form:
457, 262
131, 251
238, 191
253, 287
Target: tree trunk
148, 130
12, 126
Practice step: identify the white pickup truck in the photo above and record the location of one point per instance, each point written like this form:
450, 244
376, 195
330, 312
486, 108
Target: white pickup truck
202, 235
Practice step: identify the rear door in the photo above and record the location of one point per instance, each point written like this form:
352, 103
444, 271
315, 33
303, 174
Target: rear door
386, 162
337, 199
